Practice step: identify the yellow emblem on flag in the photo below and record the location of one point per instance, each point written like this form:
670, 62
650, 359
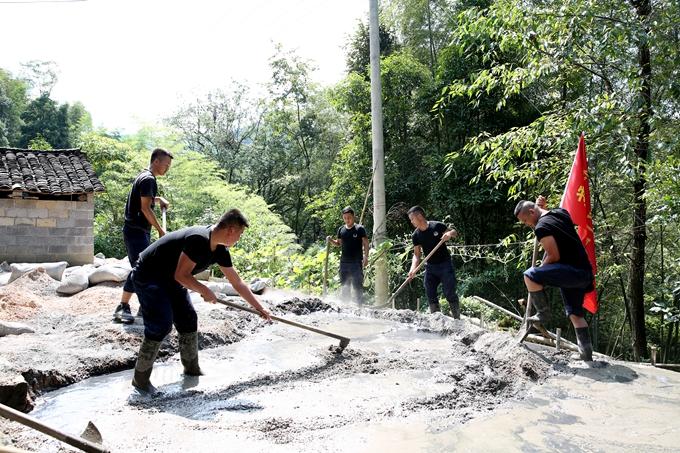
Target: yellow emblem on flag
581, 194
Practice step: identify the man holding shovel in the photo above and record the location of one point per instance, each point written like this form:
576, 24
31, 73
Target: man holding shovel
427, 236
354, 257
139, 218
162, 276
565, 265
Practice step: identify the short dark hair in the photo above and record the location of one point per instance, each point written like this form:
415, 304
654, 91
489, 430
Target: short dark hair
415, 209
524, 206
160, 152
348, 210
232, 217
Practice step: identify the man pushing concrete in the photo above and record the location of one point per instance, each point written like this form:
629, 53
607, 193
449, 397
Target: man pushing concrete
565, 266
164, 272
439, 268
139, 218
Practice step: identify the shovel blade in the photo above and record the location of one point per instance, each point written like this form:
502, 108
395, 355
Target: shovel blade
92, 434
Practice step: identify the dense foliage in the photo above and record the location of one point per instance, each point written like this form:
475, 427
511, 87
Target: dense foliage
483, 104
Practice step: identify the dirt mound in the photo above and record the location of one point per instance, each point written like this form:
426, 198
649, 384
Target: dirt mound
303, 306
23, 298
104, 296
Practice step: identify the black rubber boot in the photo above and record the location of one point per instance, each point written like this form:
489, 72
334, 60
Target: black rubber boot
123, 314
188, 353
585, 347
539, 301
435, 308
144, 366
455, 310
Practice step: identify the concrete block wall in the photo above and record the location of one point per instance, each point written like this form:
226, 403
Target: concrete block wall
47, 230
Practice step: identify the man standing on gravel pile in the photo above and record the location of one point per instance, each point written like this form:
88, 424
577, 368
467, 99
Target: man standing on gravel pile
162, 276
565, 265
139, 218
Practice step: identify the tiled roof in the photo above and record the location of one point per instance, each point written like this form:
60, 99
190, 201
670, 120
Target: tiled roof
54, 172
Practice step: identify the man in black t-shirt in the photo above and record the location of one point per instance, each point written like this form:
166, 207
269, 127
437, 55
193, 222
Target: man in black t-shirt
139, 218
439, 267
162, 276
565, 265
354, 257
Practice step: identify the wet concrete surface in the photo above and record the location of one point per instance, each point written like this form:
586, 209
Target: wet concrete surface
281, 389
406, 383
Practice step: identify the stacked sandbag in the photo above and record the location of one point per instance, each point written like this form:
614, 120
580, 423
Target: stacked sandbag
54, 270
112, 270
5, 273
257, 286
75, 280
13, 328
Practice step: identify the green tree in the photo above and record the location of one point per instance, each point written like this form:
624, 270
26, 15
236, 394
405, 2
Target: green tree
296, 142
587, 66
12, 103
222, 125
358, 52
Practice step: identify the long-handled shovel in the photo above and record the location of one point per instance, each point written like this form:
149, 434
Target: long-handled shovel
390, 301
164, 216
90, 441
344, 341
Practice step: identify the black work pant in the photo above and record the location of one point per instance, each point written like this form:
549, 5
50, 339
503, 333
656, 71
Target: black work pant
136, 240
352, 279
164, 303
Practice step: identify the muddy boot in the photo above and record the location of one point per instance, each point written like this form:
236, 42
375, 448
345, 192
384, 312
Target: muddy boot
435, 308
585, 347
144, 366
188, 352
540, 303
123, 314
455, 311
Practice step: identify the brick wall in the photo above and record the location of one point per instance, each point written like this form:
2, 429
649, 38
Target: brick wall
46, 230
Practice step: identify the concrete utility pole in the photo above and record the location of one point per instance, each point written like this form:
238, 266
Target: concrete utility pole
379, 220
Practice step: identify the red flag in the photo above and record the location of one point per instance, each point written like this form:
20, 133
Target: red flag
576, 200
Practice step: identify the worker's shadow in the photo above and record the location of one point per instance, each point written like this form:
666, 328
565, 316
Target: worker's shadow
202, 405
597, 370
602, 371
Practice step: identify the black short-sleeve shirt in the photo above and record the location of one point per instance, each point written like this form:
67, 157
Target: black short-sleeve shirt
143, 186
429, 239
159, 260
557, 223
352, 243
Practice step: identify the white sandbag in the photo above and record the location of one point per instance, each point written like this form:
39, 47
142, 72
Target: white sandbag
108, 273
54, 270
75, 280
257, 286
205, 275
4, 277
222, 287
123, 262
13, 328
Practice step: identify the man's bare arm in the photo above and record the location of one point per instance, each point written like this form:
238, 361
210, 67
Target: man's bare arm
552, 253
149, 214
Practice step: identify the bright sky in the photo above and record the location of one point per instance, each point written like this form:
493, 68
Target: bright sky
131, 61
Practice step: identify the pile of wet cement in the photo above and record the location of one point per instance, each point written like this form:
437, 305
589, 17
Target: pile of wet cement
492, 369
